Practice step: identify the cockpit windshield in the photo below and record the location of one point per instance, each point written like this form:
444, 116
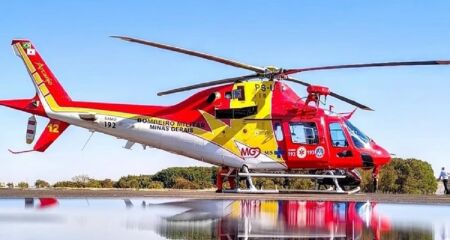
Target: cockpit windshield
359, 138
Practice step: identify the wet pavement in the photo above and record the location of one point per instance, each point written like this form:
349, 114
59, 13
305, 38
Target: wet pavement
210, 194
172, 218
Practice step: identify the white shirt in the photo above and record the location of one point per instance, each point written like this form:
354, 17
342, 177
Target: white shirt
443, 175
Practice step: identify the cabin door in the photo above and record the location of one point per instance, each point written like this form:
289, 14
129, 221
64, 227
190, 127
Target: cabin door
305, 146
340, 149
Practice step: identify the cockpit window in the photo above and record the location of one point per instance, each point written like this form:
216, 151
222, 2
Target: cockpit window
337, 135
304, 133
359, 138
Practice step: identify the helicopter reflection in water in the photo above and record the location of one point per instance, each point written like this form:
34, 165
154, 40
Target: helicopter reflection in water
42, 203
248, 219
158, 218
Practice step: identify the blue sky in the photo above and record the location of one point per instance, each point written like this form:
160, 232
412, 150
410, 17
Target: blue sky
411, 104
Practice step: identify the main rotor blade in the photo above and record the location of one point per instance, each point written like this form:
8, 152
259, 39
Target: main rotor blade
342, 98
193, 53
367, 65
349, 101
297, 81
208, 84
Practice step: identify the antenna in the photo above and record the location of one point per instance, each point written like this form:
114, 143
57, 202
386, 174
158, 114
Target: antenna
88, 140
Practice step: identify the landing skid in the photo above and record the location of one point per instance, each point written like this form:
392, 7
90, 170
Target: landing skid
239, 190
352, 191
269, 191
337, 189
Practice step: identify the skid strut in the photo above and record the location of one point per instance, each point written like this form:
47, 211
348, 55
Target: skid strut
336, 183
249, 179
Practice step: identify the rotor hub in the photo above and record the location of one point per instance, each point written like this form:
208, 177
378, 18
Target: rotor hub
318, 90
272, 69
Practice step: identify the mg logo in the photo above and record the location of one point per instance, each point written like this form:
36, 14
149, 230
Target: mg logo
250, 152
246, 151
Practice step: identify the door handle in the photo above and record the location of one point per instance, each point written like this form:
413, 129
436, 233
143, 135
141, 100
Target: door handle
346, 153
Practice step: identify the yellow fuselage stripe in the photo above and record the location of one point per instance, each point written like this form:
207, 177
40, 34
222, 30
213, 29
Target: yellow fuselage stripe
25, 58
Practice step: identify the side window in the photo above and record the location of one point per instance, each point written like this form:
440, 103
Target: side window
304, 133
278, 132
337, 135
236, 113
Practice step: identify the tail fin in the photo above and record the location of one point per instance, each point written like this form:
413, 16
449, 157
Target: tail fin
47, 86
49, 94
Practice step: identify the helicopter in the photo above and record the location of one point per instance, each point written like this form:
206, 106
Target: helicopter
250, 126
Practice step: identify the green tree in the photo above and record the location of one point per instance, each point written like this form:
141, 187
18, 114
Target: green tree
155, 185
10, 185
122, 183
66, 184
411, 176
366, 180
107, 183
81, 180
182, 183
421, 178
41, 184
22, 185
130, 181
144, 181
133, 183
200, 176
92, 183
268, 184
387, 179
301, 184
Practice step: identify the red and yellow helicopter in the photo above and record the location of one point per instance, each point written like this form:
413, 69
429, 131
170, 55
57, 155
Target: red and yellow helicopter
251, 126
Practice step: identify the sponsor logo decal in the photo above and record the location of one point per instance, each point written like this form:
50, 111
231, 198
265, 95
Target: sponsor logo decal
31, 52
320, 151
44, 75
279, 152
248, 152
26, 45
301, 152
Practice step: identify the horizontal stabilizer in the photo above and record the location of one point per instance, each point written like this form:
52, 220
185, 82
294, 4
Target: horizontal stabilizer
52, 131
31, 105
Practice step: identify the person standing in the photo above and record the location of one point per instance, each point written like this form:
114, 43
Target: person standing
444, 177
222, 173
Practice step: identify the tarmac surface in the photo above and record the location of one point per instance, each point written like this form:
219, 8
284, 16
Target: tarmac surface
210, 194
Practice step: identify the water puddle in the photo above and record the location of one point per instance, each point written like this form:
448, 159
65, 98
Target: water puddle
159, 218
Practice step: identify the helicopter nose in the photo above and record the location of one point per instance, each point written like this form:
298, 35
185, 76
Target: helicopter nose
381, 156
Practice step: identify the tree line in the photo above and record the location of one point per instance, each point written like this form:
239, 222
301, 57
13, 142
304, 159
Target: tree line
399, 176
